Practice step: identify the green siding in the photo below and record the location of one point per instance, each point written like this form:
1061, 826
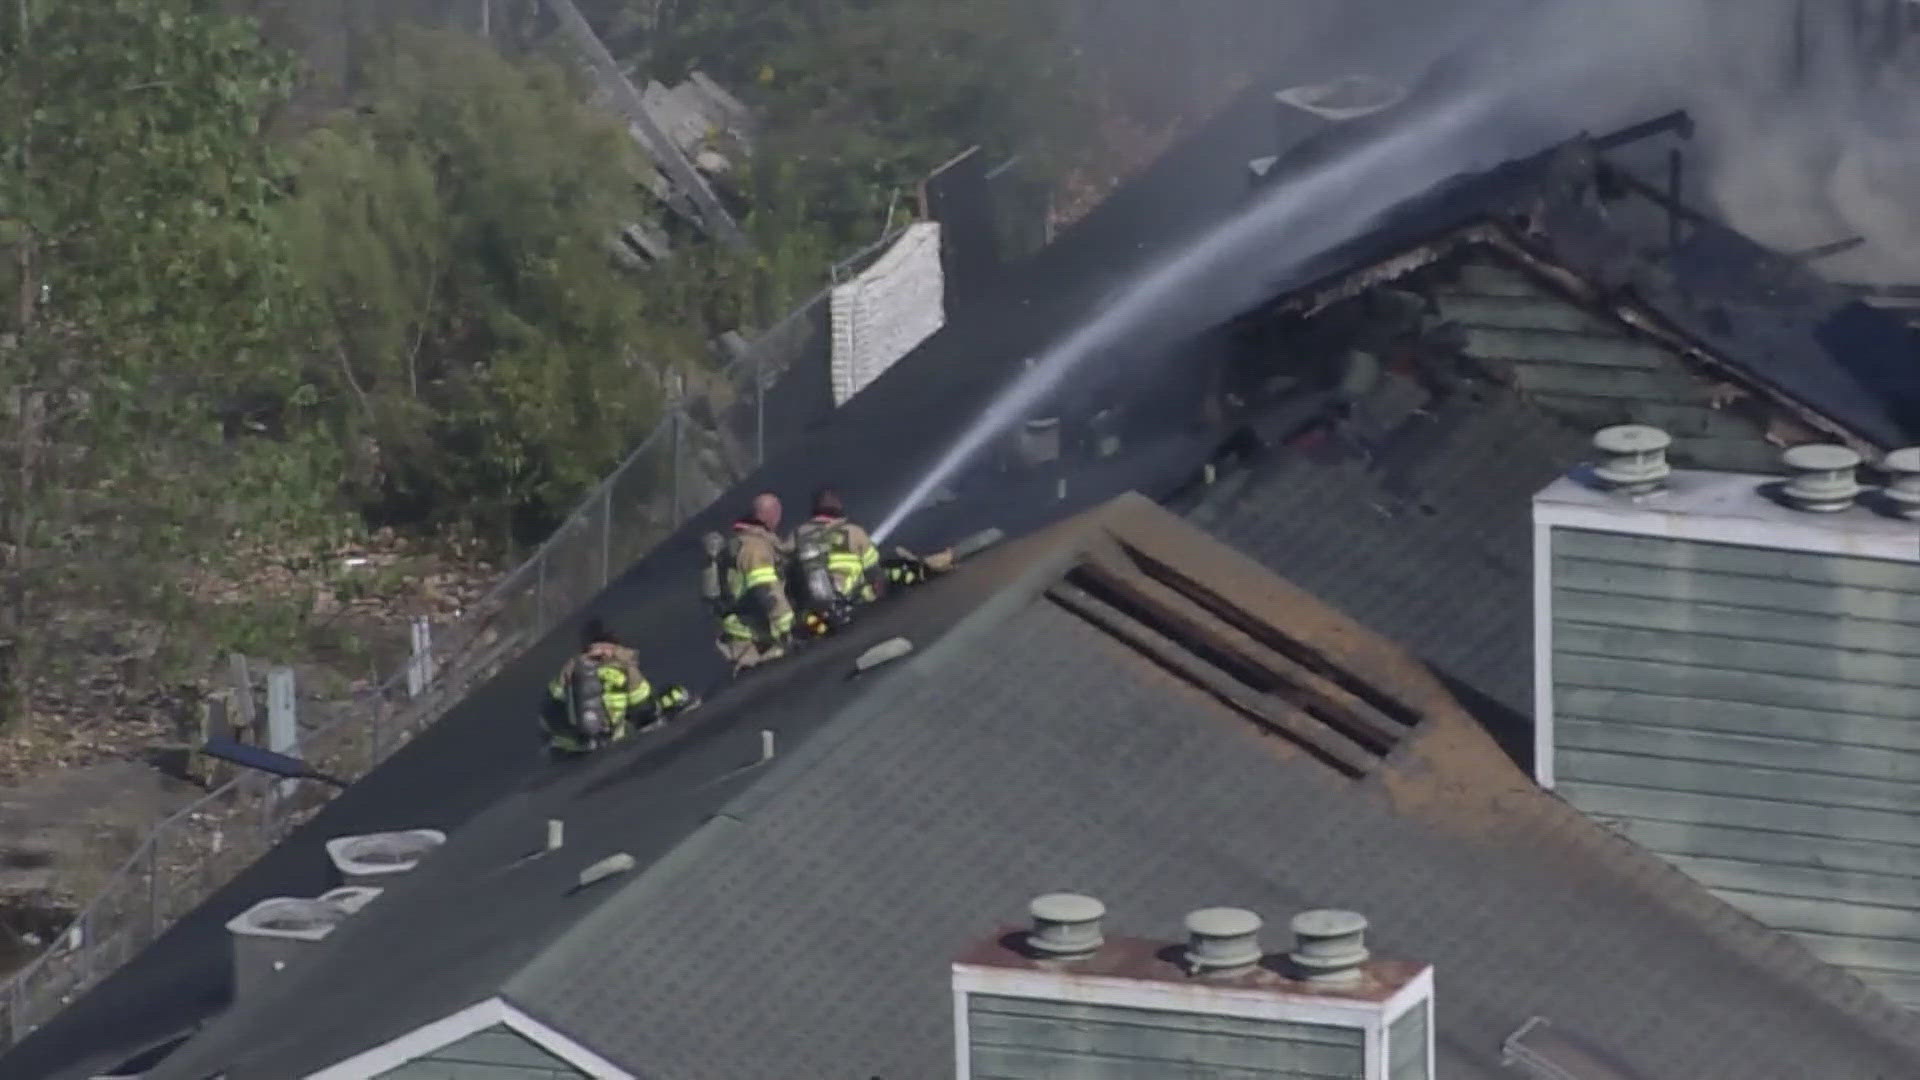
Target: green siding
1594, 371
1407, 1045
1754, 717
1021, 1039
498, 1053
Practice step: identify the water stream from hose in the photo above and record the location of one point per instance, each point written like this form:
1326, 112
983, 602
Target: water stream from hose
1235, 263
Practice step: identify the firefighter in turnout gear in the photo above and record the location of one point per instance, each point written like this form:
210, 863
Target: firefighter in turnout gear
836, 566
746, 587
600, 693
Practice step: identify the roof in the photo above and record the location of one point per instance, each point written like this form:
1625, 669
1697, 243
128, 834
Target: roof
1750, 314
1309, 521
798, 918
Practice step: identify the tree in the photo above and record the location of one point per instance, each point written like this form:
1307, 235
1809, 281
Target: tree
456, 228
154, 410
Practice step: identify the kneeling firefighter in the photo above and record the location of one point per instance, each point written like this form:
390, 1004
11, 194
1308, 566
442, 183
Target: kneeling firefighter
600, 693
745, 587
836, 567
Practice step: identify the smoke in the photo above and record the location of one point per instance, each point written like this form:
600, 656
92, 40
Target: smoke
1807, 127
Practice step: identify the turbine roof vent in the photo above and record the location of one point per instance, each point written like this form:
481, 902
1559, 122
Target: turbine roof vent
1903, 485
1329, 946
1065, 925
1822, 477
1633, 458
1222, 941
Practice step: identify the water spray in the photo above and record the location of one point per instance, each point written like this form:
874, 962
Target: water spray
1227, 267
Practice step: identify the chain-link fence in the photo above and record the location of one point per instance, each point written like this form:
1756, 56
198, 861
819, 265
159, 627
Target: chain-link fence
710, 438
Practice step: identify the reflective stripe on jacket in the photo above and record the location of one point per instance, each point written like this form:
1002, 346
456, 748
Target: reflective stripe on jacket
759, 591
623, 688
851, 555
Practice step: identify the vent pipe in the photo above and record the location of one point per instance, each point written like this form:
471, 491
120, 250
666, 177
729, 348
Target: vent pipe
1066, 926
1633, 458
1222, 941
378, 858
351, 898
273, 934
1903, 485
1329, 946
1822, 478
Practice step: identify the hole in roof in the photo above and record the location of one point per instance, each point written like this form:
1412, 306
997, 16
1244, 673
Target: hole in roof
1282, 683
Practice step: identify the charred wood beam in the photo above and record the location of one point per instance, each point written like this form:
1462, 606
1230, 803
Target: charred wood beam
1295, 726
1824, 250
1672, 205
1674, 177
1676, 121
1383, 703
1252, 662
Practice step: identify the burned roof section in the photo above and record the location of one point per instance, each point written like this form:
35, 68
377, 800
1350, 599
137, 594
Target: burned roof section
1677, 276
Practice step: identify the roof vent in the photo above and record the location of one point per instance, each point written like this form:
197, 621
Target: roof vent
272, 934
377, 858
1222, 941
1329, 946
1903, 487
1822, 477
1633, 458
1066, 926
1039, 441
351, 898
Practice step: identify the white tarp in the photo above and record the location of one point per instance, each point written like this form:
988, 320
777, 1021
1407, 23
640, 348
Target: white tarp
884, 313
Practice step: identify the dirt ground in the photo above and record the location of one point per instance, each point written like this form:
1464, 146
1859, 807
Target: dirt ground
104, 759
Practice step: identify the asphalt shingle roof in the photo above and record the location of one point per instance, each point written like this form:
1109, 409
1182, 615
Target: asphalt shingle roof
806, 927
1409, 579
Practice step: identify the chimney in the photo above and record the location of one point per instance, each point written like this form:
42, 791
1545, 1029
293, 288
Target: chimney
274, 934
1061, 996
1633, 459
379, 858
1903, 483
1721, 672
1822, 478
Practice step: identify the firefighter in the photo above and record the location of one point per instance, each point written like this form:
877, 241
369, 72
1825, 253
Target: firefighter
746, 586
836, 567
600, 693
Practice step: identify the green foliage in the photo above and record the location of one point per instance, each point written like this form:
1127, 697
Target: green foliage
859, 99
154, 407
456, 228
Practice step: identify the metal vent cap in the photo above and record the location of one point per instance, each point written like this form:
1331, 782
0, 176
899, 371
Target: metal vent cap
1903, 487
1822, 477
1066, 925
1222, 940
1329, 945
1633, 458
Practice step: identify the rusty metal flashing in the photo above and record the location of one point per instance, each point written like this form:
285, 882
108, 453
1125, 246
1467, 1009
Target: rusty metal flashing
1146, 960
